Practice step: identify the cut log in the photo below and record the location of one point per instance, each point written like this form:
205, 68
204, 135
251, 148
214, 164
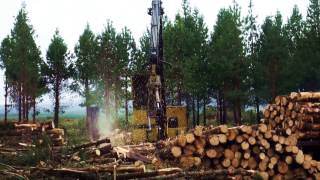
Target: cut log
222, 138
187, 162
214, 140
252, 140
159, 172
182, 140
222, 129
278, 147
266, 113
129, 153
226, 163
284, 101
232, 134
229, 154
299, 157
190, 138
246, 155
262, 166
245, 145
189, 150
235, 163
239, 139
252, 163
200, 142
197, 161
198, 131
305, 96
263, 128
86, 145
176, 151
211, 153
262, 156
282, 167
244, 163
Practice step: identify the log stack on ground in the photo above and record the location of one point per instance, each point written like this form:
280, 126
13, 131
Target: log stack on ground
15, 134
270, 147
298, 112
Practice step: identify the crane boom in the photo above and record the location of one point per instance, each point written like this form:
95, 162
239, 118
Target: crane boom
156, 90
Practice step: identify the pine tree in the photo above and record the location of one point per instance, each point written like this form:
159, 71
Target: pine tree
57, 70
294, 35
227, 61
273, 54
310, 49
6, 64
86, 52
125, 49
251, 36
23, 71
106, 66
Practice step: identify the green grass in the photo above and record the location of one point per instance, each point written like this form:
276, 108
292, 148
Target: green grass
45, 116
75, 130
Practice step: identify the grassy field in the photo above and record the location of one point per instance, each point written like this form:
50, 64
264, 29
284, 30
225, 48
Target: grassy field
75, 130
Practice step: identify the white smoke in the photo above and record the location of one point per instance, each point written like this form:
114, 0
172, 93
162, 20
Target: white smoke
106, 121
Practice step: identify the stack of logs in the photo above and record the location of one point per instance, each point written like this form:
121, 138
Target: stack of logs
29, 130
298, 112
270, 147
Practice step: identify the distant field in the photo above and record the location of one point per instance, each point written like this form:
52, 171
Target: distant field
47, 116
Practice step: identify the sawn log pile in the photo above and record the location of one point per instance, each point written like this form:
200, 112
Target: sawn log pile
270, 147
22, 135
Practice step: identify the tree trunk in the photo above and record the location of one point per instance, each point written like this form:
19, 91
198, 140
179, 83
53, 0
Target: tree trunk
23, 105
86, 90
20, 102
204, 112
273, 71
126, 102
27, 108
179, 98
237, 112
237, 102
6, 102
257, 103
219, 107
107, 100
117, 95
235, 118
188, 106
198, 110
57, 103
224, 110
193, 112
34, 110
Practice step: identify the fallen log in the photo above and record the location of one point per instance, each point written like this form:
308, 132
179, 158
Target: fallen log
86, 145
210, 174
63, 173
128, 153
159, 172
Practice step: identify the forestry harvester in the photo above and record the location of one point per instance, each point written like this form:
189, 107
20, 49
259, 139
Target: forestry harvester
152, 119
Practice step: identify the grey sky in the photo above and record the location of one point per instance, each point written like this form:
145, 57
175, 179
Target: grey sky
71, 16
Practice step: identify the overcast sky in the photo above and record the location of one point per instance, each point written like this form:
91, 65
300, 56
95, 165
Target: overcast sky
71, 16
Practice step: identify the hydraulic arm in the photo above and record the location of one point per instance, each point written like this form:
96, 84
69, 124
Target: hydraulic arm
156, 90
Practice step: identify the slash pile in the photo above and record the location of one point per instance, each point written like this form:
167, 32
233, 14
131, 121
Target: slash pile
270, 147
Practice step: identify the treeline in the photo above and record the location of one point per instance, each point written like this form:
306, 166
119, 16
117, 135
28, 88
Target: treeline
100, 68
238, 64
